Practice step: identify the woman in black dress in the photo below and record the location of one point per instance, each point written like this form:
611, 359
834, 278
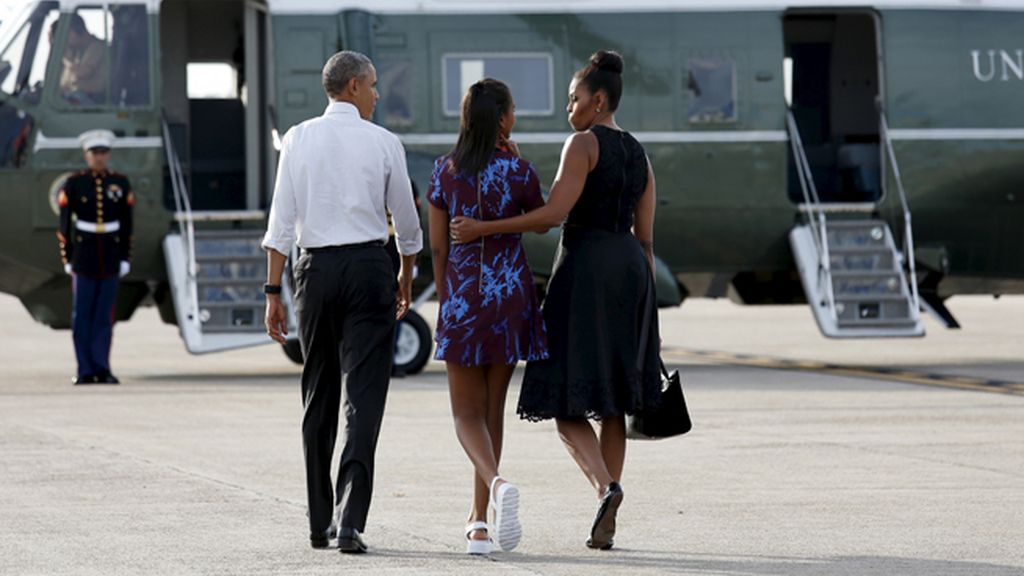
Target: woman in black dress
600, 308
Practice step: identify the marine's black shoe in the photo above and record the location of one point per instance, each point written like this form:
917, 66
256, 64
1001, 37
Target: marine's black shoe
602, 534
107, 379
350, 542
87, 379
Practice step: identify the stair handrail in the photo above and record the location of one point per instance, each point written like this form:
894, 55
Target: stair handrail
816, 213
908, 229
795, 145
183, 216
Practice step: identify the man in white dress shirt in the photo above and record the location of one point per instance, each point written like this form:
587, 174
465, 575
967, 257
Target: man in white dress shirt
337, 175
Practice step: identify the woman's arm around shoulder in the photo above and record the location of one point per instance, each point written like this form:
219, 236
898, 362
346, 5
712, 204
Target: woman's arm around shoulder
578, 158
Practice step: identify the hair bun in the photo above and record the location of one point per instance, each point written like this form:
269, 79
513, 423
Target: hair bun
607, 60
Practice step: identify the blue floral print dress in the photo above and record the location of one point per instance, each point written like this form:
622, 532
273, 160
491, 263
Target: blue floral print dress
489, 310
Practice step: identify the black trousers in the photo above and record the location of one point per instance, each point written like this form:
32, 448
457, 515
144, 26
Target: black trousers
345, 304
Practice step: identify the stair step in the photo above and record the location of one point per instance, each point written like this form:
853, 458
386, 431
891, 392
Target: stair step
874, 298
862, 262
856, 223
230, 268
877, 323
229, 247
246, 233
254, 329
252, 281
865, 309
233, 304
874, 274
866, 286
231, 318
215, 258
233, 293
856, 239
868, 249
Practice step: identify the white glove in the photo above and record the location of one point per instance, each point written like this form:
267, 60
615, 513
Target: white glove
67, 269
125, 269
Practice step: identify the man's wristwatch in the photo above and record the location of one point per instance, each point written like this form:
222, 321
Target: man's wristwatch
271, 288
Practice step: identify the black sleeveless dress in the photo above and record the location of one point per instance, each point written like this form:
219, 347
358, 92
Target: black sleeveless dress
600, 309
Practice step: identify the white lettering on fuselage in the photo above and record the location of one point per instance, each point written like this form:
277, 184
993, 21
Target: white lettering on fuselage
1011, 64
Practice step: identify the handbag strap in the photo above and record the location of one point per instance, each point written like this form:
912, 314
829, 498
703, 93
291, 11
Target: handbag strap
645, 331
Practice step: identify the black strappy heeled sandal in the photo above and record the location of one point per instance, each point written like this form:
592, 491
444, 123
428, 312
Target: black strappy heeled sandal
602, 533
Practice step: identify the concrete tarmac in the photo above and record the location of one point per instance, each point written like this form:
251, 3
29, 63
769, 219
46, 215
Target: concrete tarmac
193, 465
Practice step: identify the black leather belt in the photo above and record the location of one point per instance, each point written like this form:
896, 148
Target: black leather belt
340, 247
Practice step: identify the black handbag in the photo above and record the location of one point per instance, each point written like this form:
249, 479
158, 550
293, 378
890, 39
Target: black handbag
670, 418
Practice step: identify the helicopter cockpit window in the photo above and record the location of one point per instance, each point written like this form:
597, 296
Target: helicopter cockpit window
23, 61
528, 75
22, 68
712, 85
106, 57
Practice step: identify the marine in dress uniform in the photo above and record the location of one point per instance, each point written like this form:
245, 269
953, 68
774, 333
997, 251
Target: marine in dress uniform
95, 238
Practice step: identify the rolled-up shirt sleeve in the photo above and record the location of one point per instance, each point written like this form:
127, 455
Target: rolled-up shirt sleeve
281, 224
400, 202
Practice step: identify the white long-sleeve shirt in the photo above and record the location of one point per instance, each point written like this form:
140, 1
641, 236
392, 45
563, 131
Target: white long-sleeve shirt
336, 175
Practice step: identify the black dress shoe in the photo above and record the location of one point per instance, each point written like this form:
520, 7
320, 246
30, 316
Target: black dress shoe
349, 541
107, 379
602, 533
323, 540
87, 379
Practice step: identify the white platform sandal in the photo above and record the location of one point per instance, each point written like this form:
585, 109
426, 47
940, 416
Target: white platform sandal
505, 503
480, 547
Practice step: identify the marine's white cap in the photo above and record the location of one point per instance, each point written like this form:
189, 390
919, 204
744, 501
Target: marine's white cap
96, 139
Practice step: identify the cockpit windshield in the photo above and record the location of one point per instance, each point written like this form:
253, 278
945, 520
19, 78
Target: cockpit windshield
24, 51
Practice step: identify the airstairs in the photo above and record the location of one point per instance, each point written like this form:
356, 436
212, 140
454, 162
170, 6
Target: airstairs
216, 275
859, 282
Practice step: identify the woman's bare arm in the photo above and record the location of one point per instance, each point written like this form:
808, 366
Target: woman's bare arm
578, 157
643, 221
438, 246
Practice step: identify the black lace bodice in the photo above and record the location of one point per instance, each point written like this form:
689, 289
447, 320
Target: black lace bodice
614, 186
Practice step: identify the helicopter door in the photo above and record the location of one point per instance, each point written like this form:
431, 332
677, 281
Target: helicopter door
215, 98
832, 85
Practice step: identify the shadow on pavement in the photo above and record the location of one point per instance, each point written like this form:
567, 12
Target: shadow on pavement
629, 559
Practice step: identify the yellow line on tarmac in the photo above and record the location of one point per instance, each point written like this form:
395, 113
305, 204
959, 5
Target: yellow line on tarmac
876, 373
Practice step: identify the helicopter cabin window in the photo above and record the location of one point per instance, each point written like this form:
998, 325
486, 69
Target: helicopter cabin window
711, 81
106, 57
396, 84
528, 75
22, 68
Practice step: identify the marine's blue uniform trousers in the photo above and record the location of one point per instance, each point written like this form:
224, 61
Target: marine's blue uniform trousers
92, 323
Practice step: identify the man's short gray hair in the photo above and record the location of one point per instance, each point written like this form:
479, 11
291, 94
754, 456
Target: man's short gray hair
343, 67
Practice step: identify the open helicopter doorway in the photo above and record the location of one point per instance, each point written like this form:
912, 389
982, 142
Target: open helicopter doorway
832, 86
215, 90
